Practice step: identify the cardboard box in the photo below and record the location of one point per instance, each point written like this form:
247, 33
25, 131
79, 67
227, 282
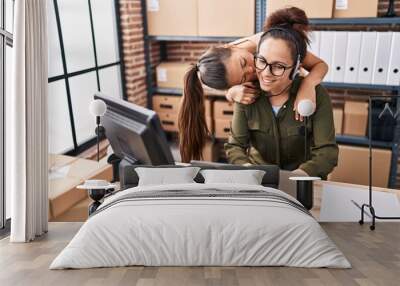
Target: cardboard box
226, 18
169, 121
167, 108
210, 124
313, 8
171, 74
56, 161
210, 152
209, 105
355, 8
355, 118
222, 128
172, 17
353, 166
63, 193
166, 103
223, 110
338, 119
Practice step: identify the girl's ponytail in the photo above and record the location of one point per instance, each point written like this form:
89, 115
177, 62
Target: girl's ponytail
192, 124
193, 131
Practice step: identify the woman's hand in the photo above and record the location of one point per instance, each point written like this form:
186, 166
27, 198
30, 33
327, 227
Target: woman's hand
245, 93
306, 91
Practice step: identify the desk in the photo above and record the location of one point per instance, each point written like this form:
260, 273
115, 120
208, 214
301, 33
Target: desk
318, 190
289, 187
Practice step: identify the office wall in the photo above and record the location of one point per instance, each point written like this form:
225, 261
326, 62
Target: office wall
133, 51
133, 48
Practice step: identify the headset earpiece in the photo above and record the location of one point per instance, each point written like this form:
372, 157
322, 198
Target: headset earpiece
295, 70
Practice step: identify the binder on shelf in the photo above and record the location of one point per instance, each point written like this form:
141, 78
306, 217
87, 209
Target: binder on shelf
393, 76
382, 57
327, 40
339, 56
367, 54
352, 57
315, 37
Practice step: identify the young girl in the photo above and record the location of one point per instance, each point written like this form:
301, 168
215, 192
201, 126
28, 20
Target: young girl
232, 67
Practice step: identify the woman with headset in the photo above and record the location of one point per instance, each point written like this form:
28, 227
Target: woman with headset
266, 132
232, 67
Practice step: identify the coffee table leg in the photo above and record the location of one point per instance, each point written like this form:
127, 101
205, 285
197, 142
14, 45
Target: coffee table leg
96, 195
93, 207
305, 193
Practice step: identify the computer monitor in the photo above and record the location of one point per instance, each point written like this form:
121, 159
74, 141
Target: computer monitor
135, 133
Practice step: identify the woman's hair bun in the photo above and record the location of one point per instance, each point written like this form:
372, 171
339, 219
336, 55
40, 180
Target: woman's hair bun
290, 18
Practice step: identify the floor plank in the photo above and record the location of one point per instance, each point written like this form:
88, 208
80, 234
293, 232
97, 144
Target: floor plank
375, 257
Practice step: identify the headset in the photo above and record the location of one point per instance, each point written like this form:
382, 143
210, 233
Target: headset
295, 70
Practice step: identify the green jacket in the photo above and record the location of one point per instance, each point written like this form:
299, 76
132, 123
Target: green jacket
260, 137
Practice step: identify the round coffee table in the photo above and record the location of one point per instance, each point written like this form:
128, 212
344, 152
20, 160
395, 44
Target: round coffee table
96, 193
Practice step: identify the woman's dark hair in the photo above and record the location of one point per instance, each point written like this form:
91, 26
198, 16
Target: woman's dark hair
193, 130
295, 21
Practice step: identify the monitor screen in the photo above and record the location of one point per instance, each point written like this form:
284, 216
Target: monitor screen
135, 132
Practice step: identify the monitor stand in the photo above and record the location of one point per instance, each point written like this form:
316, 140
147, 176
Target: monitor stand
114, 160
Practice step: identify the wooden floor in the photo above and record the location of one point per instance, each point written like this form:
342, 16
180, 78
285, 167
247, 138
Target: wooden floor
375, 257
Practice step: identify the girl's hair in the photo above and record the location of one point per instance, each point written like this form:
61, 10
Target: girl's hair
295, 21
193, 130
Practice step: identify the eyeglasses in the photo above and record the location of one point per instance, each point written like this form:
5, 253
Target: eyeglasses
275, 69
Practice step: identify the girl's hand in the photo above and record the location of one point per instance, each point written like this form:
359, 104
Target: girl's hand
245, 93
306, 91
